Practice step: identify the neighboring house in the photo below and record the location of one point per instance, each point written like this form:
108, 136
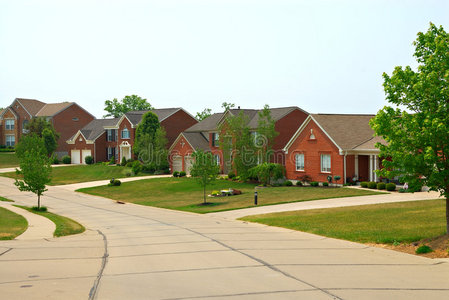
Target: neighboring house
205, 135
107, 138
67, 118
333, 144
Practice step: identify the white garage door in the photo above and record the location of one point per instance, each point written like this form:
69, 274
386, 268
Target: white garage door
188, 163
75, 155
84, 154
177, 164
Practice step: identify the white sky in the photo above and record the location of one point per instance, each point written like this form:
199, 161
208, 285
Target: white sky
320, 55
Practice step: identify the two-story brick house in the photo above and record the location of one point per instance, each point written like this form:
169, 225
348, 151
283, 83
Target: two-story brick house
106, 138
67, 118
205, 135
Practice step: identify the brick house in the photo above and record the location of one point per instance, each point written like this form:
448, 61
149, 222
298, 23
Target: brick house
67, 118
333, 144
106, 138
205, 135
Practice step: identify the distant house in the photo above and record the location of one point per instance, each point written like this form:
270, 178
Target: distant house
106, 138
67, 118
205, 135
333, 144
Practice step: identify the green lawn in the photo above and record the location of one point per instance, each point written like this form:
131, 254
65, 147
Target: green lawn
82, 173
379, 223
8, 160
185, 194
64, 226
11, 224
6, 200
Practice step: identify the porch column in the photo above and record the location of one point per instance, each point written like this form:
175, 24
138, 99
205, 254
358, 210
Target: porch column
375, 167
356, 166
370, 168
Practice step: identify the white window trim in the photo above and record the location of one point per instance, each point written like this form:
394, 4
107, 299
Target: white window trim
125, 130
296, 162
13, 139
217, 159
11, 126
321, 163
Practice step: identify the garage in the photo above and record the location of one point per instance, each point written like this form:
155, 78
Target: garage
84, 154
177, 164
75, 156
188, 163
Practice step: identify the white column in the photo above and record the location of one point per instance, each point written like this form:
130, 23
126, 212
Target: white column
375, 167
356, 166
370, 168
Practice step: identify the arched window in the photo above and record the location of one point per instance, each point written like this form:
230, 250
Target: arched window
125, 133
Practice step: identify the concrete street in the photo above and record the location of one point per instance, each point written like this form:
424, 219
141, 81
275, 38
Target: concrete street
138, 252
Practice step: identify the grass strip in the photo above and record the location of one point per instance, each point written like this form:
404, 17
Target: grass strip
11, 224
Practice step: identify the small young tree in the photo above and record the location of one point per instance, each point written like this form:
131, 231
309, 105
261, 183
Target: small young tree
204, 169
266, 133
34, 165
267, 172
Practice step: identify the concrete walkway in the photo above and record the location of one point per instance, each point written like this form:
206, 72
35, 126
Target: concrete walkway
7, 170
38, 227
327, 203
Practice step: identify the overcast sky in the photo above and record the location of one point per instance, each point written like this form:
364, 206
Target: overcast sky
323, 56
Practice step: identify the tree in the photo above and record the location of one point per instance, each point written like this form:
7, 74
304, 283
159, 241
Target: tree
227, 106
44, 129
417, 136
34, 166
266, 133
116, 108
267, 172
204, 169
200, 116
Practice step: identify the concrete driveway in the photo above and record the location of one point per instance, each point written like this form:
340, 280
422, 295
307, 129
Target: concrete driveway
137, 252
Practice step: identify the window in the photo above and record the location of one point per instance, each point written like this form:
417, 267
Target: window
125, 133
111, 135
326, 163
9, 124
215, 139
24, 126
111, 152
75, 119
299, 160
217, 159
10, 140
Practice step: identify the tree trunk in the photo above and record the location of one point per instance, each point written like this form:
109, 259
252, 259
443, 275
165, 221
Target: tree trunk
447, 215
204, 194
38, 202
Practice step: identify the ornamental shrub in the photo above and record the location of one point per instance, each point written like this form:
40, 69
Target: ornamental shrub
288, 183
314, 183
372, 185
299, 183
136, 167
423, 249
114, 182
54, 159
66, 159
182, 174
364, 184
231, 175
123, 161
175, 174
337, 177
325, 183
381, 186
89, 160
390, 186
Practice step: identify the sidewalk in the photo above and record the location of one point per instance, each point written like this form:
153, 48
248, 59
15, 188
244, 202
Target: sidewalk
327, 203
7, 170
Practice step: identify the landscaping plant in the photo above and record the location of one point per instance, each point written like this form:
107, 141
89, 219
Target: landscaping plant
204, 169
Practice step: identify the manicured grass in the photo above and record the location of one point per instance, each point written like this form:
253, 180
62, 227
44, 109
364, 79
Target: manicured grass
11, 224
379, 223
64, 226
185, 194
6, 200
8, 160
82, 173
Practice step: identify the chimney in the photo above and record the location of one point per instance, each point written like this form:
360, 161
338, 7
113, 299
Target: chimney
238, 107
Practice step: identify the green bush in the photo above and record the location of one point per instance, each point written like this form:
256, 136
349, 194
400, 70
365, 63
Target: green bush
314, 183
325, 183
337, 177
364, 184
390, 186
129, 163
112, 160
175, 174
401, 190
305, 178
114, 182
299, 183
236, 178
54, 160
231, 175
423, 249
182, 174
288, 183
66, 159
89, 160
136, 167
372, 185
42, 208
123, 161
381, 186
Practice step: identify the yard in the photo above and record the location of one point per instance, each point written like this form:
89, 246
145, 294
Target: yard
8, 160
11, 224
391, 223
185, 194
82, 173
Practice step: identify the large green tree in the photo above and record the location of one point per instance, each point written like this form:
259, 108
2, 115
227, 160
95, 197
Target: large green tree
34, 166
416, 129
204, 169
116, 108
44, 129
266, 133
200, 116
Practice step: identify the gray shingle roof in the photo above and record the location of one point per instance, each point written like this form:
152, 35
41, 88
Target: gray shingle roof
96, 127
197, 140
51, 109
162, 113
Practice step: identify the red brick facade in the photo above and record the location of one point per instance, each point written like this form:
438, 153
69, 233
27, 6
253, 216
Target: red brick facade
177, 123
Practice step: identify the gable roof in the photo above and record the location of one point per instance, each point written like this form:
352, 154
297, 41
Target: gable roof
32, 106
93, 130
135, 116
346, 131
51, 109
197, 140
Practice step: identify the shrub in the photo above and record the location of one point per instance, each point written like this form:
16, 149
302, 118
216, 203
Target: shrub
364, 184
401, 190
89, 160
267, 173
372, 185
329, 178
236, 178
123, 161
112, 160
305, 178
381, 186
128, 173
423, 249
175, 174
136, 167
325, 183
314, 183
288, 183
236, 192
182, 174
215, 193
42, 208
66, 159
231, 175
54, 160
390, 186
299, 183
114, 182
337, 177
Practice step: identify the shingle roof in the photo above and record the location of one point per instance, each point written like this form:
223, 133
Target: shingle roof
51, 109
208, 124
197, 140
1, 111
348, 131
96, 127
162, 113
31, 105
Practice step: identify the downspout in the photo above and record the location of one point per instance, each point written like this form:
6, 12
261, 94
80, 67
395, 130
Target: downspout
344, 167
